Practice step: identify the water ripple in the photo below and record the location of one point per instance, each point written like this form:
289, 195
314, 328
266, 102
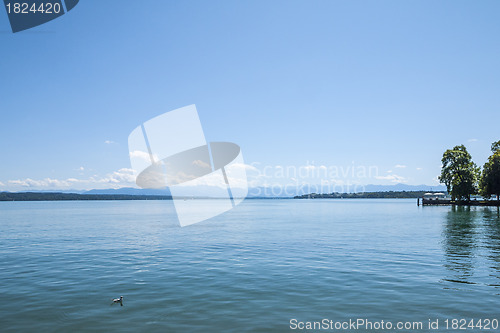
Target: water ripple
251, 269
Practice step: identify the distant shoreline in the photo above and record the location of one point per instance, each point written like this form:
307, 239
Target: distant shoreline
59, 196
365, 195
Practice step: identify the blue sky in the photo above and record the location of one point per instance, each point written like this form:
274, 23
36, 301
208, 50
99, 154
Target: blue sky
334, 84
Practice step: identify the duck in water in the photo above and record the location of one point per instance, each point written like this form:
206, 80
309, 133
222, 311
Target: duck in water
118, 300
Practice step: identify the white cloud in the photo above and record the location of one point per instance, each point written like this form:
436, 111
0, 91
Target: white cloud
121, 178
109, 142
142, 155
400, 166
201, 164
43, 183
472, 140
393, 178
124, 177
74, 180
419, 169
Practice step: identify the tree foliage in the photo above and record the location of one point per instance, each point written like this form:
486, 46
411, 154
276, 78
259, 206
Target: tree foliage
495, 147
490, 178
56, 196
459, 173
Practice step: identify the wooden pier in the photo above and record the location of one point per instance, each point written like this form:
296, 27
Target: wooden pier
449, 202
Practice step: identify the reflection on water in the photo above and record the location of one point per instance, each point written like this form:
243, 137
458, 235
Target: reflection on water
491, 220
471, 239
460, 242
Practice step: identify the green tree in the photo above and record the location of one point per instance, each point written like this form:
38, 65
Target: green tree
459, 173
495, 147
490, 178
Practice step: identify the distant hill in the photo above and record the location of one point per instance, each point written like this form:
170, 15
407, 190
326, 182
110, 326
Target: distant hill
58, 196
288, 192
130, 191
270, 192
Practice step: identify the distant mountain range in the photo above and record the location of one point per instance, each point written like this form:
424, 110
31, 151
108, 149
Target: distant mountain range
269, 192
254, 192
129, 193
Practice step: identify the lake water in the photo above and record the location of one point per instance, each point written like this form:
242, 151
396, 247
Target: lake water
252, 269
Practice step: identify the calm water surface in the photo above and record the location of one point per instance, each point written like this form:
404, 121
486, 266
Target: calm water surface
249, 270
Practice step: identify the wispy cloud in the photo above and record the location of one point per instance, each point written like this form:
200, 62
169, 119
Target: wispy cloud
393, 178
201, 164
124, 176
109, 142
419, 169
143, 156
121, 178
400, 166
42, 183
472, 140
